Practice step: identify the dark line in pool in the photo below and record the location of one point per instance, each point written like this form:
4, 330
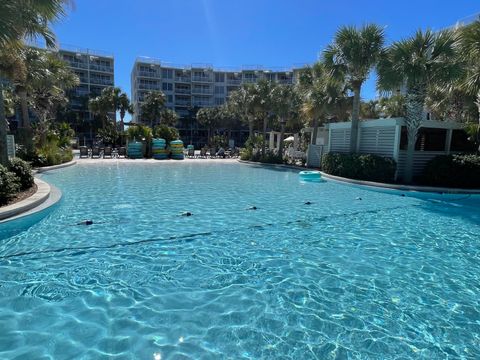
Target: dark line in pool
81, 250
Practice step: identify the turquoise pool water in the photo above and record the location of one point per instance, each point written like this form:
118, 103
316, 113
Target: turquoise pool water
354, 275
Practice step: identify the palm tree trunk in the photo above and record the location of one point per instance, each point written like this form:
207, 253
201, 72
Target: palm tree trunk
264, 136
24, 109
250, 127
3, 131
315, 131
415, 101
355, 117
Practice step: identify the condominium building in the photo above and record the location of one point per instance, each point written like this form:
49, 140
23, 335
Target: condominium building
95, 70
188, 88
196, 85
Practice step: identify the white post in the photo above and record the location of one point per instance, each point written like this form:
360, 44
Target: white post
448, 141
271, 140
396, 142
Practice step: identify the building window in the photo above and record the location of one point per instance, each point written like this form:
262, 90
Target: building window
169, 98
167, 86
219, 77
167, 73
219, 90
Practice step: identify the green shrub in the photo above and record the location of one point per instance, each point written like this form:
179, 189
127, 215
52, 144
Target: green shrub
360, 166
23, 172
9, 185
461, 170
166, 132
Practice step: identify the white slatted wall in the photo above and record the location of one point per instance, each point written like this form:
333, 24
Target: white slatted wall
377, 140
340, 140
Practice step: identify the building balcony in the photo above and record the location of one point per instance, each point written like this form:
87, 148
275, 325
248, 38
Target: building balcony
197, 91
285, 81
234, 82
102, 68
148, 87
182, 103
107, 82
149, 74
250, 80
207, 79
183, 79
77, 64
183, 91
198, 102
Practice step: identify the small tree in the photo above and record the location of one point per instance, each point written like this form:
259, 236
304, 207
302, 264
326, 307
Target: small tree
153, 107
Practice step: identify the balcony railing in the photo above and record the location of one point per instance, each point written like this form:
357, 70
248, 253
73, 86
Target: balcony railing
250, 80
234, 82
103, 68
101, 81
202, 78
182, 103
149, 87
183, 79
77, 64
182, 91
202, 91
202, 103
150, 74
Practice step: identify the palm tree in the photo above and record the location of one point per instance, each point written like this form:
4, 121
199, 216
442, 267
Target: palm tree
100, 106
285, 104
48, 90
242, 102
153, 106
470, 48
209, 118
417, 64
168, 117
124, 106
353, 54
24, 19
29, 18
262, 105
322, 96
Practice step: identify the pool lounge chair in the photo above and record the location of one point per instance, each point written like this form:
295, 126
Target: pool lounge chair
203, 153
96, 152
107, 152
122, 151
83, 152
213, 153
191, 152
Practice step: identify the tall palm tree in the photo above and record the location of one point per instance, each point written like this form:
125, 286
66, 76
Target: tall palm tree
124, 106
285, 104
353, 54
24, 19
209, 118
153, 106
242, 102
322, 95
417, 64
168, 117
262, 105
100, 106
21, 19
470, 48
48, 90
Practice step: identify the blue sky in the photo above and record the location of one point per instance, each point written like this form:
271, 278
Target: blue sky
236, 33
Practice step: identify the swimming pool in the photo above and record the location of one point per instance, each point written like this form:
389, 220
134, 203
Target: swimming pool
356, 274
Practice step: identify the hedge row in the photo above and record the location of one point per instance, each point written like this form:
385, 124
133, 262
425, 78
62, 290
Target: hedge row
460, 171
14, 178
360, 166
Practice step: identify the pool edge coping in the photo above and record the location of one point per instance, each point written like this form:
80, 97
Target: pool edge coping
412, 188
54, 167
28, 204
